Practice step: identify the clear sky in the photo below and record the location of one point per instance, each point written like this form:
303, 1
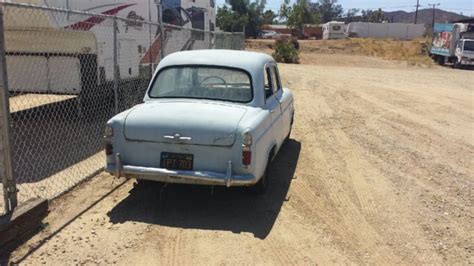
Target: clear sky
458, 6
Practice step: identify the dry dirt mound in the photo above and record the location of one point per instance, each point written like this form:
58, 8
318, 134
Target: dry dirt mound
413, 52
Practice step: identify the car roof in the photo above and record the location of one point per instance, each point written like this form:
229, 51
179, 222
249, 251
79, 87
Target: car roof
252, 62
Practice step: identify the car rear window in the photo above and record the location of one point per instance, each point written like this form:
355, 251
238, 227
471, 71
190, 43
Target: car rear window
202, 82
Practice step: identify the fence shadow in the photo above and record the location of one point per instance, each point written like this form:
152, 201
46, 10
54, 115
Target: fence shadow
50, 138
233, 209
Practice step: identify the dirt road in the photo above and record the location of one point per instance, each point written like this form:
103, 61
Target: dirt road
379, 170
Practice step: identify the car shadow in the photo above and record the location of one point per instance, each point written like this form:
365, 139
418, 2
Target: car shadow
235, 209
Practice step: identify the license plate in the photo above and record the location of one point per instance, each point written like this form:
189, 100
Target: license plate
176, 161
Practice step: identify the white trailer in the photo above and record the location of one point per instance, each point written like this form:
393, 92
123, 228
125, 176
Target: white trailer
334, 30
401, 31
62, 46
47, 60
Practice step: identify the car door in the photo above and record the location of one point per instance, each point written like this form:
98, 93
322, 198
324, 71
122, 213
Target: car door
272, 103
284, 100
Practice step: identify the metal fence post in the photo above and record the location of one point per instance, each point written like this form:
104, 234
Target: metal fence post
8, 179
116, 68
162, 32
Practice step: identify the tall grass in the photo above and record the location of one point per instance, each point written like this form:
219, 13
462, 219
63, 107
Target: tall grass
414, 52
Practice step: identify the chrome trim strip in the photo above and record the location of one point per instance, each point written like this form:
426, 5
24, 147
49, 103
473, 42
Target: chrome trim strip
185, 177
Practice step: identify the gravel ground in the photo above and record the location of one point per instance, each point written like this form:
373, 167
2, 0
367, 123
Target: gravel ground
379, 171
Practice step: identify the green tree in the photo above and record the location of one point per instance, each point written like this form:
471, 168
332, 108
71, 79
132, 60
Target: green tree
329, 10
377, 16
298, 14
236, 14
255, 15
239, 6
229, 20
269, 17
352, 15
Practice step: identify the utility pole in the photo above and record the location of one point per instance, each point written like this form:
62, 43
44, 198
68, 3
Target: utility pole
416, 13
434, 11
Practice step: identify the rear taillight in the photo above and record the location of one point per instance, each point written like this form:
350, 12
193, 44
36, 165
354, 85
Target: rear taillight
247, 149
246, 157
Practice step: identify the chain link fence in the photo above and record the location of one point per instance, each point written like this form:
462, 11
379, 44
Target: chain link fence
68, 72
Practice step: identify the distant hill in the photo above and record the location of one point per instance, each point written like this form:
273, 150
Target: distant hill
424, 16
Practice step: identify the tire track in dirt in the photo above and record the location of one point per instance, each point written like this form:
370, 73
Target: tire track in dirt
340, 100
353, 217
415, 118
403, 131
172, 252
358, 170
343, 230
281, 252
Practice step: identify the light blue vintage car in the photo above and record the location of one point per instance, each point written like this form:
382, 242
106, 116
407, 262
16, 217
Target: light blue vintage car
210, 117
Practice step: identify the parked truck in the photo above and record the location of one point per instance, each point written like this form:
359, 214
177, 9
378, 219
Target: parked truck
453, 43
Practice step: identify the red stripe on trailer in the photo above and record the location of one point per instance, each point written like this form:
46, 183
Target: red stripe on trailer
94, 20
152, 54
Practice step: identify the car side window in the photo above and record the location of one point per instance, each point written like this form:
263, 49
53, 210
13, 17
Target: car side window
268, 83
275, 79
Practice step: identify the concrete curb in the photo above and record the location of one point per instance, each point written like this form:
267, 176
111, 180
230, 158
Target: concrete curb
21, 223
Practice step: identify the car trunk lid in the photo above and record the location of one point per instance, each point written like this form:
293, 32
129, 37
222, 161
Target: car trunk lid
197, 123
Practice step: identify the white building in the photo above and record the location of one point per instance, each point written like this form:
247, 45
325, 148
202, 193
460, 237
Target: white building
402, 31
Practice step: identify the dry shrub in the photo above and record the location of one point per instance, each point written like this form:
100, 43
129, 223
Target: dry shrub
286, 50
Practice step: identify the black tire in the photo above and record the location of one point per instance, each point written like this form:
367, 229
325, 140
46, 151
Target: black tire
262, 185
440, 60
456, 64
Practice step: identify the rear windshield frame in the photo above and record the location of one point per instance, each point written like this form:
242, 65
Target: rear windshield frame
155, 78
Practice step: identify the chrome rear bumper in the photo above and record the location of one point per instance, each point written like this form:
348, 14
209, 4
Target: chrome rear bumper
180, 176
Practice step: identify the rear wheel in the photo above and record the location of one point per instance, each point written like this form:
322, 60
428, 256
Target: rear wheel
440, 60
